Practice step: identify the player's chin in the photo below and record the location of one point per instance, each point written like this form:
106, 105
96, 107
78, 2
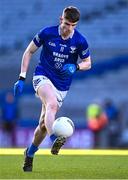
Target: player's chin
67, 33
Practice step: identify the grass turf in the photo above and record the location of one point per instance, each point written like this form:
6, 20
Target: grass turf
65, 167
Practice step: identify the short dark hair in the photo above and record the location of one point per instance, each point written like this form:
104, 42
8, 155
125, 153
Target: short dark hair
71, 13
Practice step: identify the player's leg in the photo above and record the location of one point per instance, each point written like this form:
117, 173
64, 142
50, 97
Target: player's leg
40, 132
39, 135
48, 95
49, 100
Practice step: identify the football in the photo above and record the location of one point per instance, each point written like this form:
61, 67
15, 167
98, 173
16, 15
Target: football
63, 126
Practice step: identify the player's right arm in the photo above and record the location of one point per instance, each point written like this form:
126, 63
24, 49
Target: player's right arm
37, 41
30, 50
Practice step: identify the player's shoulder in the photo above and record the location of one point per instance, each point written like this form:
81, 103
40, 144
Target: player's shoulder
80, 37
49, 30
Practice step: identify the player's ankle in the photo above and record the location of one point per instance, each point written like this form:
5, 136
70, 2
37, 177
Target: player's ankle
31, 150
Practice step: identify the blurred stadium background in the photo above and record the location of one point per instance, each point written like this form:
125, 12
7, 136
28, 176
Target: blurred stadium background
104, 23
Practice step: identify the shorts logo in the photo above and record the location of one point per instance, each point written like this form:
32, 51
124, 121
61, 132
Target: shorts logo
59, 100
36, 82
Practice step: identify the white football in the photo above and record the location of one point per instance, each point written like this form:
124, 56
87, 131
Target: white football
63, 126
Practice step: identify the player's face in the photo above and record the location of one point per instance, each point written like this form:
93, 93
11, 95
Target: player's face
66, 26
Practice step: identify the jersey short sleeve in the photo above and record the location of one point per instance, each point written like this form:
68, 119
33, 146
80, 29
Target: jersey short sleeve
83, 48
39, 38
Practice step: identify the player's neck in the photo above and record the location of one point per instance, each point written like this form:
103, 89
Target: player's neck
65, 35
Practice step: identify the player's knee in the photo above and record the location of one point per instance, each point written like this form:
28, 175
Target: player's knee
52, 107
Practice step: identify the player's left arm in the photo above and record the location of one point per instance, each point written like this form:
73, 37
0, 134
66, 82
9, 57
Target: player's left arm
85, 64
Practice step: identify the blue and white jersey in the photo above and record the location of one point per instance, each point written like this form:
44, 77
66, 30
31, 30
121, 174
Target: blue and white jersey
56, 52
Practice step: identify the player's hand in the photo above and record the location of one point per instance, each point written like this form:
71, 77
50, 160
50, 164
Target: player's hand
69, 70
18, 87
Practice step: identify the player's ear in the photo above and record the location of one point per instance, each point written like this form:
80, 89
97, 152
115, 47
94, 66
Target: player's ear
61, 18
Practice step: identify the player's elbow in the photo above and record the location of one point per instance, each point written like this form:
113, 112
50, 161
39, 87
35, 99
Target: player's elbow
87, 63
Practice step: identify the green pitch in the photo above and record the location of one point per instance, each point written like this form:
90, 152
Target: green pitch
66, 167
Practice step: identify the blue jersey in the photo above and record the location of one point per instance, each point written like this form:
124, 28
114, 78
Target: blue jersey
56, 52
